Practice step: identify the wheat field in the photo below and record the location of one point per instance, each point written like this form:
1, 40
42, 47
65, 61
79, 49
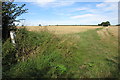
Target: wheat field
62, 29
74, 29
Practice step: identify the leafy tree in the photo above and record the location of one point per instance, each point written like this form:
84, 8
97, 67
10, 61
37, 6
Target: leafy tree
39, 24
107, 23
10, 12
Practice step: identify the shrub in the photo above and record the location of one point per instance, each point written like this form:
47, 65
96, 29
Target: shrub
27, 42
23, 43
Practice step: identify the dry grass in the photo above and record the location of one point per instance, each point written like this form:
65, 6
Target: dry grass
62, 29
113, 30
109, 31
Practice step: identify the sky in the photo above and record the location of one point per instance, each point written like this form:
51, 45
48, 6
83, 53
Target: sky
53, 12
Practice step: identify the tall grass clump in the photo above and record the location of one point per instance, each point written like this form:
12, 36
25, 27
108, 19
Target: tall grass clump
26, 43
34, 55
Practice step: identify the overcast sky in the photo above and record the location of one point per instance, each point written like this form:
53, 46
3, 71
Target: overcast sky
52, 12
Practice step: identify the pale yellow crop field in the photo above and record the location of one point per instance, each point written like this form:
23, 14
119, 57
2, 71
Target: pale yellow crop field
106, 32
113, 30
62, 29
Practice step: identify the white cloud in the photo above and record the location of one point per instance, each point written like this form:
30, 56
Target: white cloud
108, 6
69, 0
61, 3
57, 3
101, 5
80, 9
79, 19
94, 19
81, 16
33, 0
111, 0
52, 3
44, 2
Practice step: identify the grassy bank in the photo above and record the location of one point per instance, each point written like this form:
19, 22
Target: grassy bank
79, 55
